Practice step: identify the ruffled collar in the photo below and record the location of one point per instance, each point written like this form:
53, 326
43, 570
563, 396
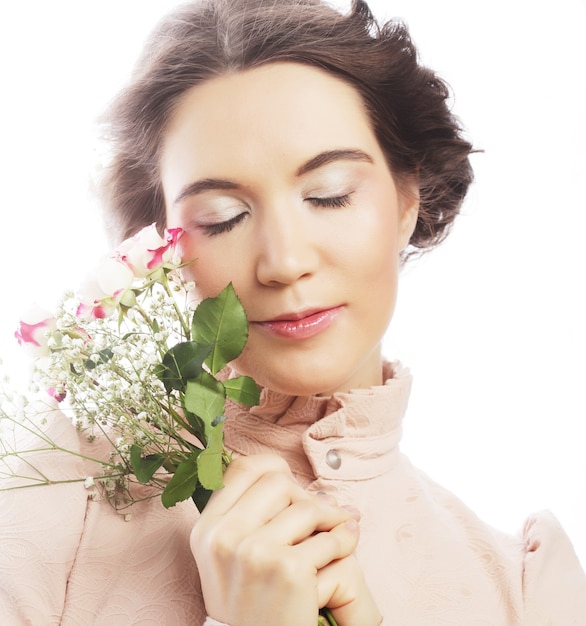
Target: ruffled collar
298, 427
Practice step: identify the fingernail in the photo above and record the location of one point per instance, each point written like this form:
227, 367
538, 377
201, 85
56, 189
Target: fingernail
352, 525
326, 497
356, 514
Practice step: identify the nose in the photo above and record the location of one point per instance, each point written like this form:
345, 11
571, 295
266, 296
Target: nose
287, 250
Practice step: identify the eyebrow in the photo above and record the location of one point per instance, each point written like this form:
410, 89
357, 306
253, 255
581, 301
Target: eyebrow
206, 184
323, 158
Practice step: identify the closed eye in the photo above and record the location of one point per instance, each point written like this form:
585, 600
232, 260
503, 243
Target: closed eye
223, 227
331, 202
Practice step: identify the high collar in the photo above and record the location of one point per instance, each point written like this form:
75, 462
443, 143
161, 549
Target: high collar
361, 424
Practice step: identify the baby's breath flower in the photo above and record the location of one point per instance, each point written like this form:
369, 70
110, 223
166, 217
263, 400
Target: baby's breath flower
103, 366
62, 323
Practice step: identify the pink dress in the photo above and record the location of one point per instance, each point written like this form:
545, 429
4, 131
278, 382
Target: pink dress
66, 559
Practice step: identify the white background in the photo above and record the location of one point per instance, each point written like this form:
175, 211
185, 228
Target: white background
491, 324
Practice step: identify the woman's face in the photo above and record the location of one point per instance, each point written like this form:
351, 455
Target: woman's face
280, 184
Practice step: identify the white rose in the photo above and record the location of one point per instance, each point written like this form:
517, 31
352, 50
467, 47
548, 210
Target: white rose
147, 251
34, 331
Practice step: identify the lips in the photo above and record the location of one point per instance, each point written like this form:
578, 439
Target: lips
302, 325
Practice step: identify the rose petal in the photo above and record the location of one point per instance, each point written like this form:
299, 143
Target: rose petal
33, 331
113, 277
165, 253
137, 251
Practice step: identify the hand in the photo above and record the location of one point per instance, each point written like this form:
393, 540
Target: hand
268, 552
343, 590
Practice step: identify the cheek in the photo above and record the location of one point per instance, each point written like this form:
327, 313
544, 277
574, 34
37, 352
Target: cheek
214, 265
372, 249
372, 268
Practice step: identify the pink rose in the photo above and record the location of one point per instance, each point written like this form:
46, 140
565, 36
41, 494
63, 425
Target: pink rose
34, 331
147, 251
109, 284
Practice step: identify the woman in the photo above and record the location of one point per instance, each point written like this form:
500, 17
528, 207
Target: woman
305, 154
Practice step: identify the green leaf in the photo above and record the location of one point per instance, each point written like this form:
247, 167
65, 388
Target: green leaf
105, 355
210, 467
181, 363
243, 389
144, 467
196, 424
182, 484
201, 497
221, 321
205, 396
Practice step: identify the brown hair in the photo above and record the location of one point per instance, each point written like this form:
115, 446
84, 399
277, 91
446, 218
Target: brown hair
407, 103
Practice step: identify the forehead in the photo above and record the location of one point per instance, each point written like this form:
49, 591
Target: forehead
285, 110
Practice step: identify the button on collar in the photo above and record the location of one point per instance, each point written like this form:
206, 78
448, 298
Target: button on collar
333, 459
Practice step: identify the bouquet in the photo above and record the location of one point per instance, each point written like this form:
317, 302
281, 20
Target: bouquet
132, 360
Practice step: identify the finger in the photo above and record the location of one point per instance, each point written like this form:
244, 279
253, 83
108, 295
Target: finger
327, 547
332, 580
260, 503
302, 519
330, 499
242, 473
342, 588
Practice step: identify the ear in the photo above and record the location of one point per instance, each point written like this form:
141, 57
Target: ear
409, 208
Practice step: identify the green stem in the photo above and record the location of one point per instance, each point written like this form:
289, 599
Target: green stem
51, 445
326, 618
186, 328
162, 349
48, 481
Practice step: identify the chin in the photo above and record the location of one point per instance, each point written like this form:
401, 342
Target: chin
292, 383
311, 371
289, 382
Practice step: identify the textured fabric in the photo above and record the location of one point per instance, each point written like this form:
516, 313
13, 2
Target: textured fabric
66, 559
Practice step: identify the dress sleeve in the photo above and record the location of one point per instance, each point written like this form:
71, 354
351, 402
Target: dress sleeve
554, 583
40, 529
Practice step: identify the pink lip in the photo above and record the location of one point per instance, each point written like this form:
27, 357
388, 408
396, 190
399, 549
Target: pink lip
301, 325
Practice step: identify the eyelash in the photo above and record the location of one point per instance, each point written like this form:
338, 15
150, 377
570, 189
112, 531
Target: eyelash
335, 202
223, 227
